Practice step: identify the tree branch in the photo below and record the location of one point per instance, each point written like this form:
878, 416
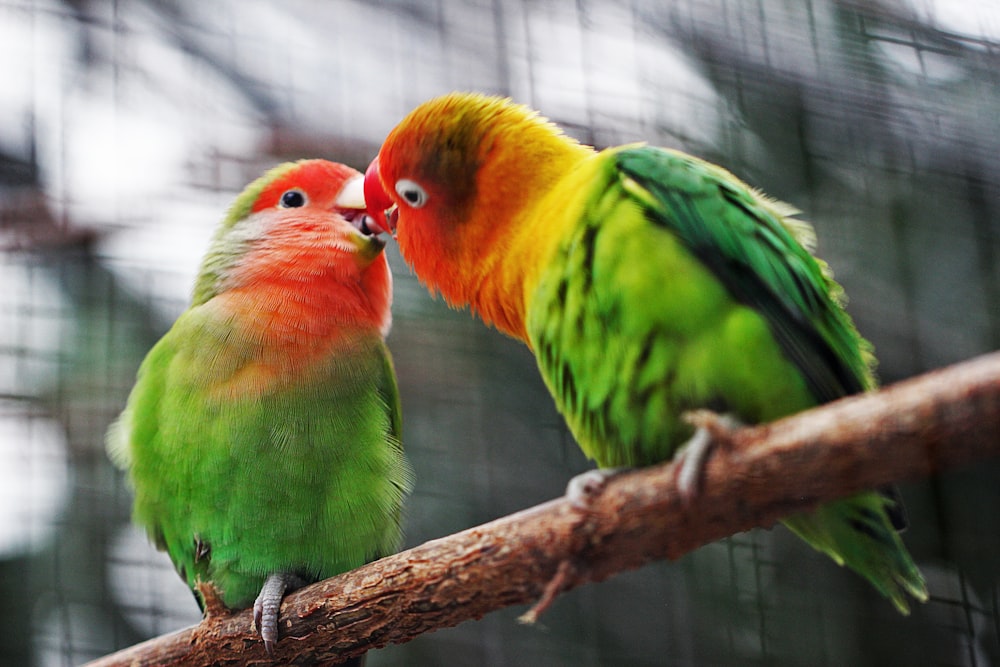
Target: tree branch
910, 430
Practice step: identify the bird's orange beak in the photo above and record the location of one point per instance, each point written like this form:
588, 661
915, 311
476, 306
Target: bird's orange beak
382, 212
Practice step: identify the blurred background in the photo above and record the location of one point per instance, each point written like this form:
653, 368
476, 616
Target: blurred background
126, 128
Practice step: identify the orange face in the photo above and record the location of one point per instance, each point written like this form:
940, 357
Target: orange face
292, 281
306, 208
461, 176
309, 263
443, 174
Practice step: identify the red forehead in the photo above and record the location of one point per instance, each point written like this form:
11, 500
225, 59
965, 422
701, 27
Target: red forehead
317, 178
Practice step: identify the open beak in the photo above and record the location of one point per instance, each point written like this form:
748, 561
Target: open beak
350, 203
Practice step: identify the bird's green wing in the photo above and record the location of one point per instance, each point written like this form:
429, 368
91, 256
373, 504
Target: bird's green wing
748, 243
388, 390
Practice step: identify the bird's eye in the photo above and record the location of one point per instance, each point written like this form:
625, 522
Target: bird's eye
411, 192
292, 199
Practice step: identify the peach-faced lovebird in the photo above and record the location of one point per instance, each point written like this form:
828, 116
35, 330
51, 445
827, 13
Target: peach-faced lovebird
648, 284
262, 437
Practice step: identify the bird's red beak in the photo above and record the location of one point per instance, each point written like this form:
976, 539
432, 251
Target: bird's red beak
381, 211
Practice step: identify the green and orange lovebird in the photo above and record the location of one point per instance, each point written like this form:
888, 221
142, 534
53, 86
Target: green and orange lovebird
262, 437
648, 284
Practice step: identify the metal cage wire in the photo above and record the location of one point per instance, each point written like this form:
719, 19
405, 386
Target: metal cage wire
127, 127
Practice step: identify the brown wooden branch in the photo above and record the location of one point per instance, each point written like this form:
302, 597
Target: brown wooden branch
940, 420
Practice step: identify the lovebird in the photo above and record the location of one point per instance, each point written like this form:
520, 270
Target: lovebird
262, 437
648, 283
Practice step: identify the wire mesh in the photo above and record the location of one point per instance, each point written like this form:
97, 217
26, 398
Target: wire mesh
127, 127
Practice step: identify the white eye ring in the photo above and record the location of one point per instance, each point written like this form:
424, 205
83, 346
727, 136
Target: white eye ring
411, 193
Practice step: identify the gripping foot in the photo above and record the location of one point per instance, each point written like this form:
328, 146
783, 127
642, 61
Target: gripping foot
711, 430
586, 486
267, 604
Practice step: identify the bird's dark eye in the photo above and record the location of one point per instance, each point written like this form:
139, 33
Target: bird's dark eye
411, 192
293, 199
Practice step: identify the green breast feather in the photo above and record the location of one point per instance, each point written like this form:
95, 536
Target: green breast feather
678, 287
306, 480
681, 288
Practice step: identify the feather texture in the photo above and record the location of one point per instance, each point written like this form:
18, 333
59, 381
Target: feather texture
263, 432
648, 283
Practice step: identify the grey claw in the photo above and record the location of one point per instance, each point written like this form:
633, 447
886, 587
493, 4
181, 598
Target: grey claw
586, 486
268, 603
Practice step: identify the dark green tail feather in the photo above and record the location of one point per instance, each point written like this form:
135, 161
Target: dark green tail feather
857, 532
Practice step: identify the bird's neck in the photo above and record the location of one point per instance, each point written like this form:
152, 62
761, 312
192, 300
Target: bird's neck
523, 240
307, 315
285, 329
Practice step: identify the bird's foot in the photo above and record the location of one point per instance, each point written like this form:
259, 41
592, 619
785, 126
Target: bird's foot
586, 486
581, 492
711, 430
268, 603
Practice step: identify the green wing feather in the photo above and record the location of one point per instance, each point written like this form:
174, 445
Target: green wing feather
752, 249
679, 287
